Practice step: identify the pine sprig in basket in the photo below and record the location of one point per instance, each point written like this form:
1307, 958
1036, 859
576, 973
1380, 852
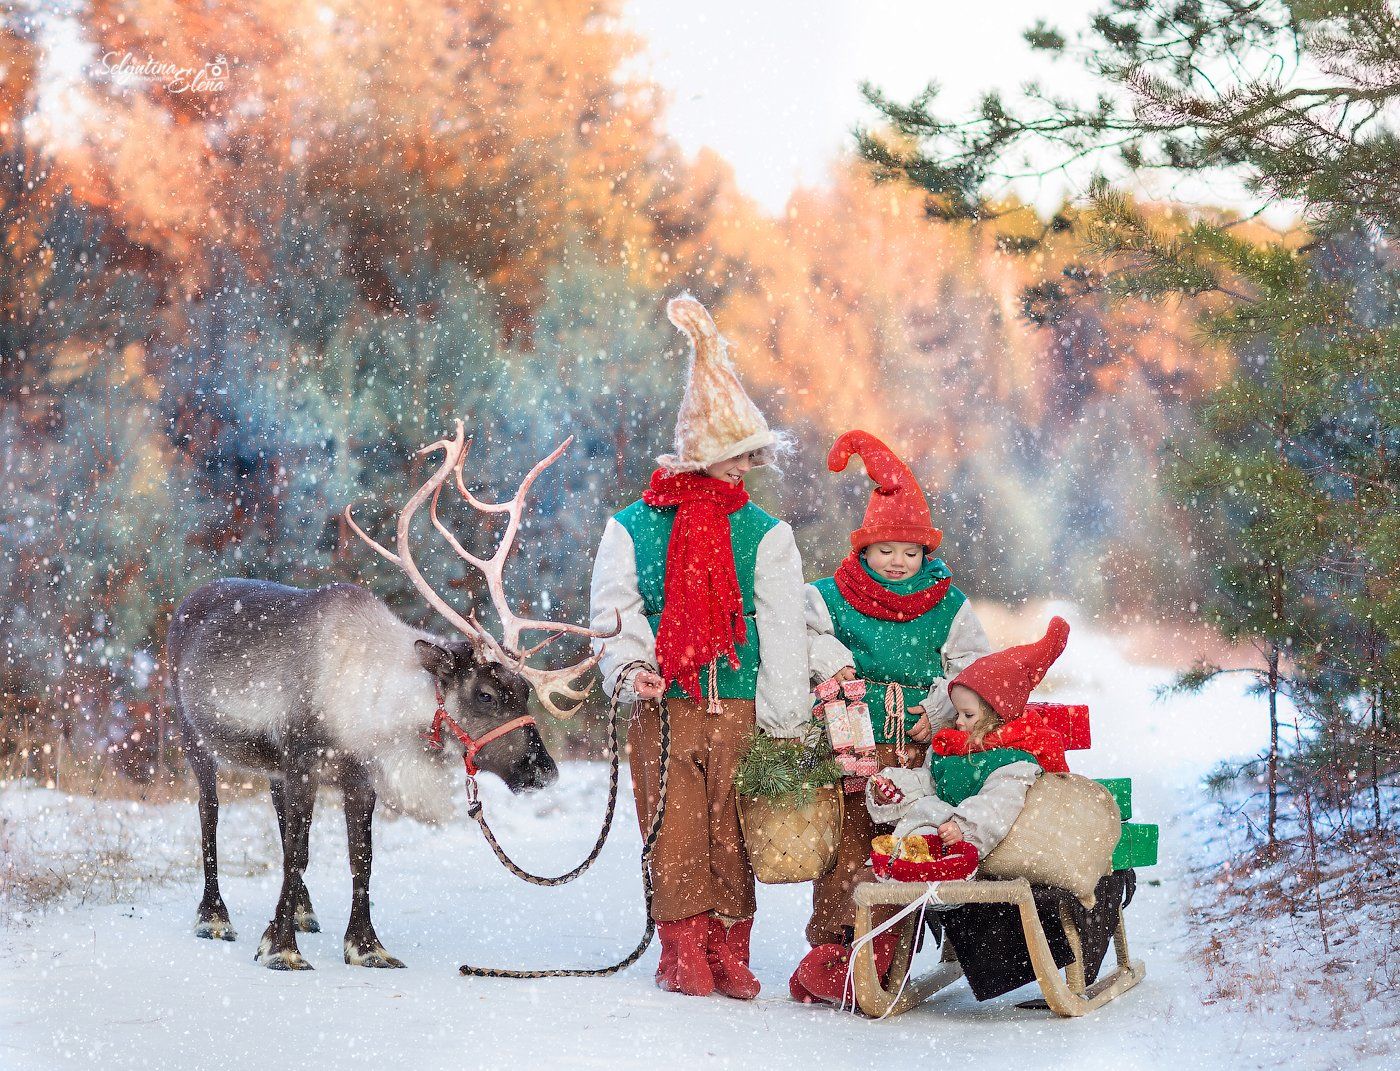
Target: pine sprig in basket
786, 771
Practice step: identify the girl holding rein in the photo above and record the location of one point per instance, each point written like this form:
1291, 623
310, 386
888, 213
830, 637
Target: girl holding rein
710, 593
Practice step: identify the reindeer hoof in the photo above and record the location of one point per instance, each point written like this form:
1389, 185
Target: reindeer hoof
286, 959
306, 922
373, 956
215, 929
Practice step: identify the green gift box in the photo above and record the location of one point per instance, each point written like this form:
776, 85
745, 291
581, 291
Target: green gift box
1137, 847
1122, 789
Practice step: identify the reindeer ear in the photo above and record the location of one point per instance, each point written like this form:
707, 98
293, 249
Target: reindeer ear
436, 660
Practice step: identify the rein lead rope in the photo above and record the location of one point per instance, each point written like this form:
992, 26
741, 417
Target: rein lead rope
477, 812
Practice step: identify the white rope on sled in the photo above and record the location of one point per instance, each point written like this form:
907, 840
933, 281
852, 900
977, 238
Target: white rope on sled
930, 898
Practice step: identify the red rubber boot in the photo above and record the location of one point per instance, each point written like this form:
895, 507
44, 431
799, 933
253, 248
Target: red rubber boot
689, 969
739, 934
728, 954
666, 967
797, 990
822, 973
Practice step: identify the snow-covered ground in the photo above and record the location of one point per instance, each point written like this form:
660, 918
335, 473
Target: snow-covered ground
1261, 922
108, 975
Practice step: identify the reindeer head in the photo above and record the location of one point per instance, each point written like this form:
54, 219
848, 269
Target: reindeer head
481, 696
503, 659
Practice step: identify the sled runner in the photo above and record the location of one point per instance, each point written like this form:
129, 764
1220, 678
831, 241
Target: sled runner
1068, 995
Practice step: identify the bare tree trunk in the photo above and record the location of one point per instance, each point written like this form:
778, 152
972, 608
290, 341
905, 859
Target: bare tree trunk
1273, 745
1375, 756
1316, 868
1276, 595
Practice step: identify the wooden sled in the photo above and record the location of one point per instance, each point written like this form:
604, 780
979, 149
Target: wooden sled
1065, 996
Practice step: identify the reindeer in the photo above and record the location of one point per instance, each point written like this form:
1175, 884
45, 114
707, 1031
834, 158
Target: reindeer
328, 685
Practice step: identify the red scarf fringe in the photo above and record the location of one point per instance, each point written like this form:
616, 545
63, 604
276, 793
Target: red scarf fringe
703, 613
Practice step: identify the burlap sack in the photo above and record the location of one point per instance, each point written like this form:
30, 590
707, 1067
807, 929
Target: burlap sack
787, 843
1064, 836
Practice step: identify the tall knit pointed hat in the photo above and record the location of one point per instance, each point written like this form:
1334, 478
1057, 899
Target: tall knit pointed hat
898, 511
717, 418
1005, 679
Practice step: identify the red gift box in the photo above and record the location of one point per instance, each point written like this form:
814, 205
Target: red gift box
1070, 720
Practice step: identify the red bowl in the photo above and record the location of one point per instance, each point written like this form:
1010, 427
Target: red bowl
945, 868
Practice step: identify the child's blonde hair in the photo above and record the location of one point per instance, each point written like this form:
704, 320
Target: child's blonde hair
988, 721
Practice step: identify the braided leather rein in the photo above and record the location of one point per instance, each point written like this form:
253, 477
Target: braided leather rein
477, 812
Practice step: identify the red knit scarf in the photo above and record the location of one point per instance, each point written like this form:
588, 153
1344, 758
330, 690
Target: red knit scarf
703, 613
873, 599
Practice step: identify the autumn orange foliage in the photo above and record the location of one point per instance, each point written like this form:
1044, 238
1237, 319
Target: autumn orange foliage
494, 134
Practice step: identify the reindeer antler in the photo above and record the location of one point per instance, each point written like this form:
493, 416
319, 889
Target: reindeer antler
506, 652
451, 448
547, 683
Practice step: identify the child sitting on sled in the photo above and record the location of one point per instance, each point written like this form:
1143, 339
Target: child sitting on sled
979, 772
890, 622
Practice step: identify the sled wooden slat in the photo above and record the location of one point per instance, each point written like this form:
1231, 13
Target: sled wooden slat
1066, 996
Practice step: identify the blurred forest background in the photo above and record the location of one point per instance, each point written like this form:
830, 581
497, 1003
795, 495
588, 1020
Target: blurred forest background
227, 312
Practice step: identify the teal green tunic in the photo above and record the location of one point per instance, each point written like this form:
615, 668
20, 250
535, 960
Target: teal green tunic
956, 777
909, 653
650, 529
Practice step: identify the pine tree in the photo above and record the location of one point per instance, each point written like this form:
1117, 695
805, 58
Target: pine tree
1293, 473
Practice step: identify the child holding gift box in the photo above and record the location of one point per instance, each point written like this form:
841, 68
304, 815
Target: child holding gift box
978, 774
889, 623
971, 791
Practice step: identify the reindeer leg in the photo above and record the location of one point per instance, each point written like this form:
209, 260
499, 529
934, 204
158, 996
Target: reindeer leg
305, 916
278, 947
211, 919
362, 947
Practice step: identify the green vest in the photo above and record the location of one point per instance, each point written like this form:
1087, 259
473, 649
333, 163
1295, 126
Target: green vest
650, 529
908, 653
956, 777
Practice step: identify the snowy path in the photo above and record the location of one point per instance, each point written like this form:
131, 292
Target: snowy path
125, 985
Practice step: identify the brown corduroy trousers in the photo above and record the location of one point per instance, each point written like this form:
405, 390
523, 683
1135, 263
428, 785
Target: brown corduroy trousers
699, 863
833, 909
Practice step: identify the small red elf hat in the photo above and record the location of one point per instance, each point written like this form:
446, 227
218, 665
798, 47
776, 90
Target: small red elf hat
898, 511
1005, 679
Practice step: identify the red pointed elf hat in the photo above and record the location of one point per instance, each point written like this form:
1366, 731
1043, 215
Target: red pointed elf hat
1005, 679
898, 511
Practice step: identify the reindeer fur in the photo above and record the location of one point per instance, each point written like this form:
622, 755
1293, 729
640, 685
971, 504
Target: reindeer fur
328, 684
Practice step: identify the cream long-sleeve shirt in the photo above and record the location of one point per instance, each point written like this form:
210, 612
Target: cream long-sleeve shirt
967, 642
782, 700
985, 818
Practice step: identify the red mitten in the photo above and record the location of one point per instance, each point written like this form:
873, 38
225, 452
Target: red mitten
949, 742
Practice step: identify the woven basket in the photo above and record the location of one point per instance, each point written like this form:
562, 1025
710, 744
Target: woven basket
788, 843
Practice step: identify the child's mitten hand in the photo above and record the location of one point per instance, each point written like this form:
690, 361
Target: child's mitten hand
950, 832
648, 685
884, 791
921, 731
